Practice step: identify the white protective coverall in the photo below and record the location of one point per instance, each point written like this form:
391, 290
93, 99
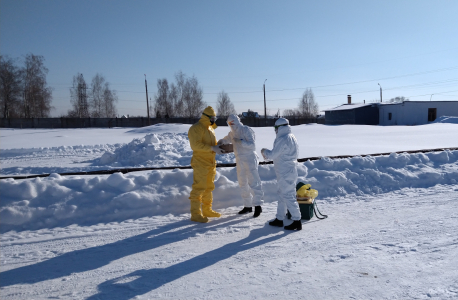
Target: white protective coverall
243, 139
284, 155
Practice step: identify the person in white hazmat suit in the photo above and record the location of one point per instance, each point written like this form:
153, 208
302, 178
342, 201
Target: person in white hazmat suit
243, 139
284, 156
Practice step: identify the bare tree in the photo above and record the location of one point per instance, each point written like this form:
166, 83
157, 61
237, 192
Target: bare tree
109, 99
10, 87
102, 99
398, 99
192, 98
151, 106
224, 106
176, 92
307, 106
37, 96
44, 102
183, 99
96, 96
173, 100
163, 106
291, 113
78, 98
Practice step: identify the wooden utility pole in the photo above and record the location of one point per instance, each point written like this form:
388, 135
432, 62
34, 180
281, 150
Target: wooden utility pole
265, 110
380, 92
147, 104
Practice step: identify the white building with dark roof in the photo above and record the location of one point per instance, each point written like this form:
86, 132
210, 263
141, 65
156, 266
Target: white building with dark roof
403, 113
415, 112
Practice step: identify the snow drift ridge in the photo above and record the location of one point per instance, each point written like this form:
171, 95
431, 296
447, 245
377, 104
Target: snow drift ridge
61, 201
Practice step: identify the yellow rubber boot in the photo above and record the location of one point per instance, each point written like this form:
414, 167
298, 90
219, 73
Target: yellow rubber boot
196, 214
207, 197
207, 211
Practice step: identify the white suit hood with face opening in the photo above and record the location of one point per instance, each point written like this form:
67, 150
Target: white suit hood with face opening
243, 140
234, 119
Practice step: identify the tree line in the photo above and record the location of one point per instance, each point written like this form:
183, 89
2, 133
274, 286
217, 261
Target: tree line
24, 92
183, 98
96, 101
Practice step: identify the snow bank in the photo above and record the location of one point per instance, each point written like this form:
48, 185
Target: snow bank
154, 150
445, 119
58, 201
374, 175
33, 151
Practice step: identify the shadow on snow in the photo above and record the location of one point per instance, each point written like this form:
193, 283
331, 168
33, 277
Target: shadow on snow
149, 280
96, 257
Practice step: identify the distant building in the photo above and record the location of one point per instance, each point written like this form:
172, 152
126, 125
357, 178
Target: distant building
416, 112
251, 114
404, 113
361, 114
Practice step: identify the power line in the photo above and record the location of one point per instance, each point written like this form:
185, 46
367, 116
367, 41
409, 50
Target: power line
319, 86
379, 79
440, 93
354, 82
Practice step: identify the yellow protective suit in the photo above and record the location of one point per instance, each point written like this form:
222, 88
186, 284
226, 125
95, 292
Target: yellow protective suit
202, 137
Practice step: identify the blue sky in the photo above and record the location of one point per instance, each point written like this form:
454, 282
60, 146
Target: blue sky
334, 47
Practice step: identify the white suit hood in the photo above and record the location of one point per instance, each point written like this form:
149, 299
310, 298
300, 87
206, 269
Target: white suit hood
235, 119
241, 136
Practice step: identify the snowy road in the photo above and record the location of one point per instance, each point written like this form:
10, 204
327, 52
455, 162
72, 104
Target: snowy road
361, 251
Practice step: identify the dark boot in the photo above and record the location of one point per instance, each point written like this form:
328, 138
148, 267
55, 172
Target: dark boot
296, 225
257, 211
276, 222
245, 210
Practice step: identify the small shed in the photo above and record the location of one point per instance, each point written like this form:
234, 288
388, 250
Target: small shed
361, 114
415, 112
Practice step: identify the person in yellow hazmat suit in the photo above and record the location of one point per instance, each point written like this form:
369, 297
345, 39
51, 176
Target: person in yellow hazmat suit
203, 144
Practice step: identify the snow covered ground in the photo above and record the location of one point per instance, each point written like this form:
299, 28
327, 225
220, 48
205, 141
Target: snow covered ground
391, 231
38, 151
